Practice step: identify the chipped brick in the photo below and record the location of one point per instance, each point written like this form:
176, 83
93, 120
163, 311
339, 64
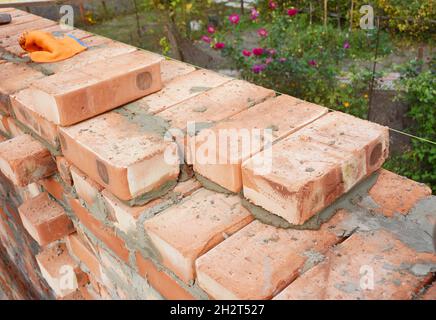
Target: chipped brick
44, 219
316, 165
24, 160
207, 219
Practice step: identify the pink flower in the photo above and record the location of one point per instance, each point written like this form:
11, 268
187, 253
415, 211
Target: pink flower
206, 39
211, 29
312, 63
254, 14
272, 5
257, 51
282, 60
347, 45
272, 52
219, 45
262, 32
246, 53
269, 60
292, 12
258, 68
234, 18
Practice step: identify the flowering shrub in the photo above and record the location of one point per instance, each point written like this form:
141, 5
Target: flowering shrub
294, 57
419, 92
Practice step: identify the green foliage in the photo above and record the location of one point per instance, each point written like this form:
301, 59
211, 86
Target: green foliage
307, 60
420, 93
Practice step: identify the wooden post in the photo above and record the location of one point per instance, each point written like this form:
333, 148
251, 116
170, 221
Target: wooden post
242, 7
310, 12
325, 13
138, 27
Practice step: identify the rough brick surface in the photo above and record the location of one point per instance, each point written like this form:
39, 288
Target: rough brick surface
260, 260
44, 219
86, 189
126, 216
60, 271
84, 254
282, 116
102, 232
161, 281
316, 165
118, 150
25, 113
14, 77
373, 265
24, 160
206, 217
397, 194
70, 97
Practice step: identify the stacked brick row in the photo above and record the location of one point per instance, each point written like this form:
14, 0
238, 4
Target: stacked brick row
110, 217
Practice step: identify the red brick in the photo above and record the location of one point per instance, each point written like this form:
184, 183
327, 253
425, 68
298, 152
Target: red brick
260, 260
216, 104
44, 219
102, 232
127, 216
161, 281
316, 165
14, 129
180, 89
53, 187
282, 115
171, 69
26, 114
84, 254
86, 189
109, 51
25, 160
365, 259
207, 218
397, 194
64, 168
117, 150
430, 294
36, 24
60, 271
70, 97
14, 77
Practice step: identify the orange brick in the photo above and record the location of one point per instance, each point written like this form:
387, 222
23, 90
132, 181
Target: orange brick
14, 129
171, 69
35, 24
14, 77
84, 254
44, 219
108, 51
24, 160
370, 265
70, 97
282, 115
260, 260
161, 281
53, 187
60, 271
127, 216
430, 294
207, 218
118, 149
216, 104
76, 295
26, 114
180, 89
102, 232
397, 194
314, 166
64, 168
86, 189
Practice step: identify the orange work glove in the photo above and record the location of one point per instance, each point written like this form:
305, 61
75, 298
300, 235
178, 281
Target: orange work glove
44, 47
